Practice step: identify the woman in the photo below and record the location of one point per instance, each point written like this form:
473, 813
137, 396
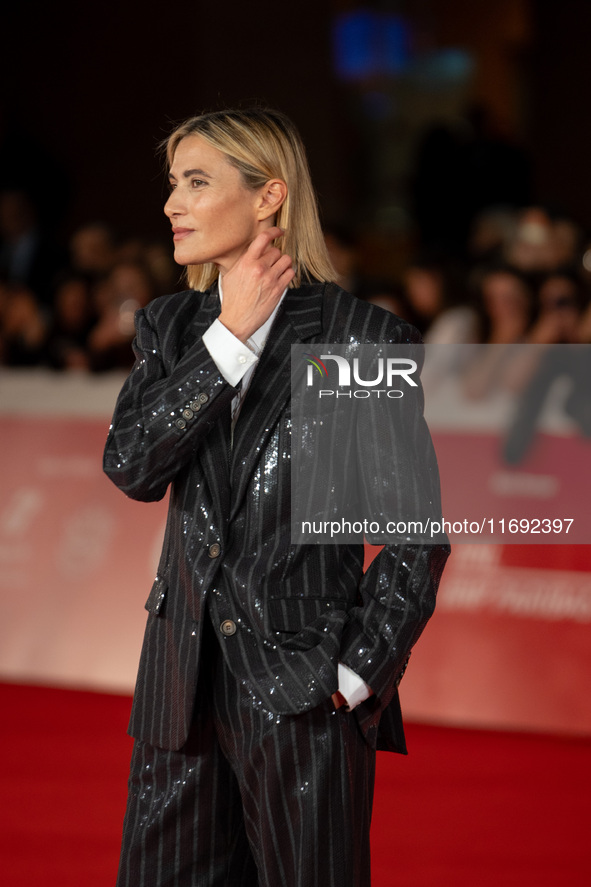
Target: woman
266, 667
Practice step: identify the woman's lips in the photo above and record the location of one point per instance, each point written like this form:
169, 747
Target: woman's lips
181, 233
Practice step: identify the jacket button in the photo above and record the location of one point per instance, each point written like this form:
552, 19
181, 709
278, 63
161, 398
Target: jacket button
180, 423
228, 628
187, 414
203, 397
214, 550
195, 406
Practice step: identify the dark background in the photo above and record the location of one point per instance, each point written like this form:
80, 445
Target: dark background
89, 90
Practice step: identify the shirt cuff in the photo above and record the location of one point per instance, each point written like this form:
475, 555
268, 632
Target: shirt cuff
231, 356
353, 688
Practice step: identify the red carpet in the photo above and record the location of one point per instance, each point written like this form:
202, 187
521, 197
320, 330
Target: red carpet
465, 808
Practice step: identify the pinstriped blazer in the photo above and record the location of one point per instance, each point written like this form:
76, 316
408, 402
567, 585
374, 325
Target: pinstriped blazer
297, 609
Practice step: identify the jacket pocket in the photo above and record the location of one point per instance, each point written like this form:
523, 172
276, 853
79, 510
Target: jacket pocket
157, 596
294, 614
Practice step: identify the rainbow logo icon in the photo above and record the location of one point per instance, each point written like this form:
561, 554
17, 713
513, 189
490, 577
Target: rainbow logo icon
314, 361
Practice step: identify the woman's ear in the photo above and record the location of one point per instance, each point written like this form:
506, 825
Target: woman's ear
272, 196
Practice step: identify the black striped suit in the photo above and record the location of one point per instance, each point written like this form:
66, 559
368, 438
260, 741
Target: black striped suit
229, 579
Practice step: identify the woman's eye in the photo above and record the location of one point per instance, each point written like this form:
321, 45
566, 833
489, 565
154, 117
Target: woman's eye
195, 183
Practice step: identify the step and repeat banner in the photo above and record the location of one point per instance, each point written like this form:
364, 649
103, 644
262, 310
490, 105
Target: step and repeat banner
510, 643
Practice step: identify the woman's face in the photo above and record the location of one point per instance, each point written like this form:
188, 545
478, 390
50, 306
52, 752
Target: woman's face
214, 216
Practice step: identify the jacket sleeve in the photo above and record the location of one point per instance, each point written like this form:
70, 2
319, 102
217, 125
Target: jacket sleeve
399, 480
398, 594
162, 415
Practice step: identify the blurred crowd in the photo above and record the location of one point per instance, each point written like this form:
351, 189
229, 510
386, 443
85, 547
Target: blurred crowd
73, 307
524, 276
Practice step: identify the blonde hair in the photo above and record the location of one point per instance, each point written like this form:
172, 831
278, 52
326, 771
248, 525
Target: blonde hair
264, 144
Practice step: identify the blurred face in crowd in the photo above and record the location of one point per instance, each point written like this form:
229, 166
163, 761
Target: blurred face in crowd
558, 293
92, 249
214, 216
531, 248
424, 289
72, 304
565, 242
505, 297
559, 307
129, 281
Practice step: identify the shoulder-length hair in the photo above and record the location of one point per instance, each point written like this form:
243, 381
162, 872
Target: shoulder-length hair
264, 144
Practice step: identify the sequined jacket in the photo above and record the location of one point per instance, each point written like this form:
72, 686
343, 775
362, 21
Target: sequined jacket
286, 613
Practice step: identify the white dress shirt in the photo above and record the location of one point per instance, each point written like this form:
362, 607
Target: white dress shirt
236, 361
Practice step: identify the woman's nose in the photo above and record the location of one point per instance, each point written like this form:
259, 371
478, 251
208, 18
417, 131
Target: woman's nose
172, 205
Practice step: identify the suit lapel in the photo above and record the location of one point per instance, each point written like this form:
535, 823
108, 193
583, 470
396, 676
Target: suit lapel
214, 457
207, 308
214, 454
299, 319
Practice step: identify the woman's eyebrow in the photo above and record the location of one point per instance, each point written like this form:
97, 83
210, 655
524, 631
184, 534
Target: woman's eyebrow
198, 172
191, 172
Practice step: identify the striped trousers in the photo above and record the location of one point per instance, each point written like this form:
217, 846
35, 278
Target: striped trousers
253, 799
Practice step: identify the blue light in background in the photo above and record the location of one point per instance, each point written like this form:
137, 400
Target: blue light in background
367, 44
